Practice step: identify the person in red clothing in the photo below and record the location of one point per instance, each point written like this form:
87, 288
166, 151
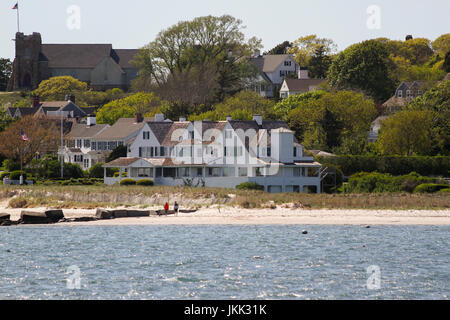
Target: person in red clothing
166, 207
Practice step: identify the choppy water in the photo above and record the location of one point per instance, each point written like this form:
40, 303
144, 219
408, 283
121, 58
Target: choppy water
224, 262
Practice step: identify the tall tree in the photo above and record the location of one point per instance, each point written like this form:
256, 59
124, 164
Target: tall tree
319, 63
442, 44
5, 73
446, 64
191, 61
363, 66
305, 47
406, 133
281, 48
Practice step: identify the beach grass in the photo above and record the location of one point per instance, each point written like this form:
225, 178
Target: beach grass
90, 197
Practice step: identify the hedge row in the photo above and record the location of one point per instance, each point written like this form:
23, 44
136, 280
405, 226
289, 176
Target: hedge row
395, 165
375, 182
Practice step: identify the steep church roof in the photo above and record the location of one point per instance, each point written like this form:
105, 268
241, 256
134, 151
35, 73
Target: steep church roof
75, 55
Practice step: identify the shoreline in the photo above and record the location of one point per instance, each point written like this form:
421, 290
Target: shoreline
278, 216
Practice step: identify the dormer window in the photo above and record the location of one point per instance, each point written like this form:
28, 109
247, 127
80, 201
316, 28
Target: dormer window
400, 93
408, 93
287, 63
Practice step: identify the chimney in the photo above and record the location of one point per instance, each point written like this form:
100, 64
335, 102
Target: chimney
138, 118
303, 73
35, 102
229, 118
159, 117
258, 118
91, 120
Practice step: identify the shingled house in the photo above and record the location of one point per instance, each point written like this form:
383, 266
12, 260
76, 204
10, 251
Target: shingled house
99, 65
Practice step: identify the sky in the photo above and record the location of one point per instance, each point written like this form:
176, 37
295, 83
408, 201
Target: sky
134, 23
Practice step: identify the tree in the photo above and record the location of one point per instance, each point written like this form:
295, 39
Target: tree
406, 133
332, 119
305, 47
242, 106
446, 65
5, 73
57, 88
363, 66
442, 44
142, 103
184, 62
281, 48
437, 101
42, 134
5, 119
319, 63
283, 107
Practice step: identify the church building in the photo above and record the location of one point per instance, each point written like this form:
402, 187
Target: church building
99, 65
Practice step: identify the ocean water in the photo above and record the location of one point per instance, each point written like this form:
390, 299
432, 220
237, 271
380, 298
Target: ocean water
225, 262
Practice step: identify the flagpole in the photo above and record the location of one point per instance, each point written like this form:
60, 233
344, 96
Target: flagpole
18, 18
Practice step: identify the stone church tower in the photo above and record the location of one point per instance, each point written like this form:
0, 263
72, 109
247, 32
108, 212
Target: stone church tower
29, 67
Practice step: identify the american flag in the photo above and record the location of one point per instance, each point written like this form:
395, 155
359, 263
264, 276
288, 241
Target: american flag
16, 6
24, 136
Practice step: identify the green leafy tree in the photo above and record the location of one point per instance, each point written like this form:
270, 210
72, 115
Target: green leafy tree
446, 64
242, 106
442, 44
143, 103
57, 88
363, 66
5, 73
437, 101
406, 133
283, 107
119, 152
305, 47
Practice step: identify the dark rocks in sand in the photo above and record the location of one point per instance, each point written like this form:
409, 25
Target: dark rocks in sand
103, 214
54, 215
367, 227
5, 217
29, 217
119, 213
137, 213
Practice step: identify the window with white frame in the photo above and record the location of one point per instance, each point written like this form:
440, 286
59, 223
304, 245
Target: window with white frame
228, 172
243, 171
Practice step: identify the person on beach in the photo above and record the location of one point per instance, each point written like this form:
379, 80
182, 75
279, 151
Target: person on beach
175, 207
166, 207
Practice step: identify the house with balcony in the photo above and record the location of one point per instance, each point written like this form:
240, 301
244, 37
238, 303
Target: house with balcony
219, 154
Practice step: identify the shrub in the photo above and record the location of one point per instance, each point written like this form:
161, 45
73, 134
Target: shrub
16, 203
73, 171
128, 182
117, 174
445, 190
145, 182
395, 165
15, 175
430, 188
10, 165
250, 186
3, 175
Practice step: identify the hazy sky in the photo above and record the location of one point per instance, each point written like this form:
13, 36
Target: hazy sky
134, 23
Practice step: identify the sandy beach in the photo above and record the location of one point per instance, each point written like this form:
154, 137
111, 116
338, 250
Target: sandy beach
278, 216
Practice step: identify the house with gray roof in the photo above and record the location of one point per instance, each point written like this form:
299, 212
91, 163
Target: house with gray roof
219, 154
272, 70
301, 85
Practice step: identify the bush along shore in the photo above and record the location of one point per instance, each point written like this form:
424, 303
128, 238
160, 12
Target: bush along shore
93, 197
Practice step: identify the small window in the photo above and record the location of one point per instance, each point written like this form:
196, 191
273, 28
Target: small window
400, 93
295, 152
228, 134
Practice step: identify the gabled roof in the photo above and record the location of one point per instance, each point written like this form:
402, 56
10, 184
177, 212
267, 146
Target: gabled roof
302, 84
161, 130
120, 162
125, 56
122, 129
84, 131
75, 55
270, 62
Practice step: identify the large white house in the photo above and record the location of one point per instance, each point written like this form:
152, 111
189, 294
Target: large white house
219, 154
